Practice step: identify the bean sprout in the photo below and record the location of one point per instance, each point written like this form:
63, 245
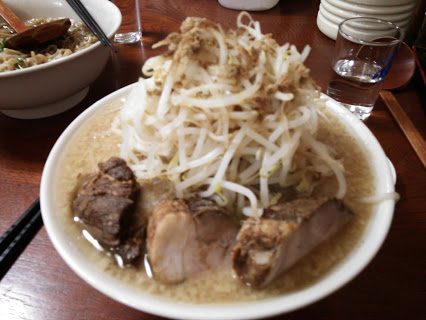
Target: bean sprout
227, 115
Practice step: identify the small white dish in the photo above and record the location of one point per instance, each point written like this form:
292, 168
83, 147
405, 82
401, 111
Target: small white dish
353, 264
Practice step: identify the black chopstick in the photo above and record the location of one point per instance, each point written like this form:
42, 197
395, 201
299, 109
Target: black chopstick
16, 238
87, 18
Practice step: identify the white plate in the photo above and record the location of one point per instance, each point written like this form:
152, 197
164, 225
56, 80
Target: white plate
370, 243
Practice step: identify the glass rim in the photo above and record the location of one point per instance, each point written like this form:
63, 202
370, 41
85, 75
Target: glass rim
372, 42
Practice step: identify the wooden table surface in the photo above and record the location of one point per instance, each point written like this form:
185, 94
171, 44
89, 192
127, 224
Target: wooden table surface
41, 286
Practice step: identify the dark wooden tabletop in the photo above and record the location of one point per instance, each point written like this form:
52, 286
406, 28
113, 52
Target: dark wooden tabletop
41, 286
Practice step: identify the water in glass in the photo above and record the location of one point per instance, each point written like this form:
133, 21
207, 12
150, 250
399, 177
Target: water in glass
356, 84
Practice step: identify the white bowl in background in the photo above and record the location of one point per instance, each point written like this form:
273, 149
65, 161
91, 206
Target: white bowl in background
346, 14
327, 27
332, 12
362, 254
373, 9
338, 19
51, 88
330, 29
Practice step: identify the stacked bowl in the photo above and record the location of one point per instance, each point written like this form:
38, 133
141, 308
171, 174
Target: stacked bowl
332, 12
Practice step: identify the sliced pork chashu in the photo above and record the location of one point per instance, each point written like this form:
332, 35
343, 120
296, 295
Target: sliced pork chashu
185, 238
268, 246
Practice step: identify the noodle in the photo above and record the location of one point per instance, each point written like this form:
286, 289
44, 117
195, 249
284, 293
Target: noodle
77, 38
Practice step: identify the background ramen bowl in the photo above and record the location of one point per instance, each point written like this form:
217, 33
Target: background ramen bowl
59, 85
355, 261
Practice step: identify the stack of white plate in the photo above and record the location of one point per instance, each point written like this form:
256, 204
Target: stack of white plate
332, 12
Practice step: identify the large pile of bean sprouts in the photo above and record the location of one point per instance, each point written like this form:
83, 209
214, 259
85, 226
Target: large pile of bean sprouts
227, 115
77, 38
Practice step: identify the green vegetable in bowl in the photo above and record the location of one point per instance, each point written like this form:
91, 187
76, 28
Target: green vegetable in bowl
19, 62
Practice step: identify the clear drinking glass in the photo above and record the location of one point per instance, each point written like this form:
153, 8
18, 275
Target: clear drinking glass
133, 22
364, 51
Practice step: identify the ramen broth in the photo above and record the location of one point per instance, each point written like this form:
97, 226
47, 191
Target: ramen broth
77, 38
96, 142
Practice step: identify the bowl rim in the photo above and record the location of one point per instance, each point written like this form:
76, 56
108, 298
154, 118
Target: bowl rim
115, 12
346, 25
343, 273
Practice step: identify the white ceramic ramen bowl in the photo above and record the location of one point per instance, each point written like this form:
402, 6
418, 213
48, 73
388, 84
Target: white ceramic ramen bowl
355, 261
51, 88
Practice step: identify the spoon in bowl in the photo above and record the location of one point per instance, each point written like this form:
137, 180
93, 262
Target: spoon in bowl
31, 36
399, 75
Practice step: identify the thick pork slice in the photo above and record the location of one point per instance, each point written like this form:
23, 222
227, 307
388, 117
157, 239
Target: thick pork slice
268, 246
188, 237
105, 203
